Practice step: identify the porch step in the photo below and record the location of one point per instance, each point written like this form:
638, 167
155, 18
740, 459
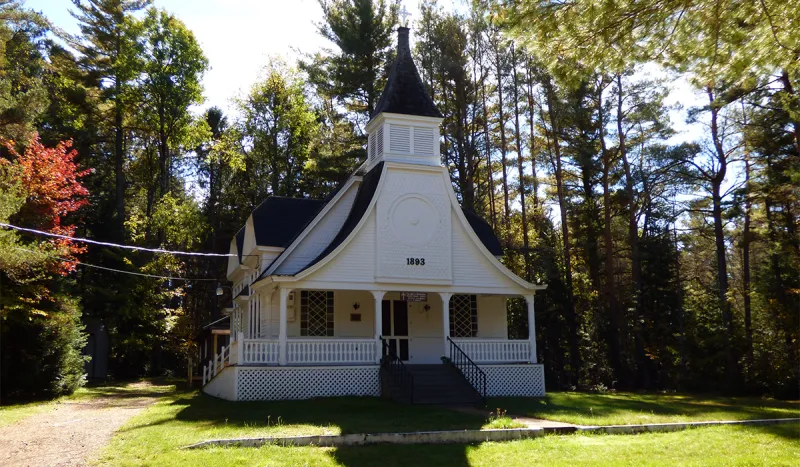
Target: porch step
438, 384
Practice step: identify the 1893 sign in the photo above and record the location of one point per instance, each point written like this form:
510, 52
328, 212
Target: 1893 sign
415, 261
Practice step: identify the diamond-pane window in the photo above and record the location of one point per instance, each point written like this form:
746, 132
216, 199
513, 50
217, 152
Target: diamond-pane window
316, 313
464, 315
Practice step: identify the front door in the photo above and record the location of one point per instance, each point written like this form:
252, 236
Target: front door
395, 327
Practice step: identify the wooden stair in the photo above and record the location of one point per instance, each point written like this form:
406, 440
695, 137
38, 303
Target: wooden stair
439, 384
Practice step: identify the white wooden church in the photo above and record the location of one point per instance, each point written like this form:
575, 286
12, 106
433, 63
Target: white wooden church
388, 287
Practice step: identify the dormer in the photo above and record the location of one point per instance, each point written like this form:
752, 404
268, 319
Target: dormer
404, 127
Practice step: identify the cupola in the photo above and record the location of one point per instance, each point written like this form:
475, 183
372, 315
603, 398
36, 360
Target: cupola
404, 127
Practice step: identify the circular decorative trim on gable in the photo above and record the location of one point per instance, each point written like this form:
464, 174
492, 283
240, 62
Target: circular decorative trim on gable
413, 220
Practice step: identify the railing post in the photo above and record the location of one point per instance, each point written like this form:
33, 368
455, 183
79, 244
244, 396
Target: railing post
205, 369
284, 294
446, 321
531, 327
377, 295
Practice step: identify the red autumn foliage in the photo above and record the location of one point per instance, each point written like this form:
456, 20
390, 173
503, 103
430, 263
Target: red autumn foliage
51, 179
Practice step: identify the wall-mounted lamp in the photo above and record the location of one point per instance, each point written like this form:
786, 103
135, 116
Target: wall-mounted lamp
356, 306
426, 307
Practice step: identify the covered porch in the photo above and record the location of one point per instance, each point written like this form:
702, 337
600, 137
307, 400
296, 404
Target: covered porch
310, 327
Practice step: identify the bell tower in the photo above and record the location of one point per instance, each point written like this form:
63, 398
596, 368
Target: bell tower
404, 127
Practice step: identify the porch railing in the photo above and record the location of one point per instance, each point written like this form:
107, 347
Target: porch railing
308, 351
469, 369
217, 363
259, 352
495, 350
396, 370
330, 351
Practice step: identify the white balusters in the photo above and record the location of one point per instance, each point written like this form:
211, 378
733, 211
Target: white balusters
331, 351
259, 352
495, 350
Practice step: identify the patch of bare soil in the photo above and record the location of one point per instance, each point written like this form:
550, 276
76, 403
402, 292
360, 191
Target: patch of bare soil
70, 432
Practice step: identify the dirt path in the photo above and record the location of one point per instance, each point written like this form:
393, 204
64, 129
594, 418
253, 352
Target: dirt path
70, 432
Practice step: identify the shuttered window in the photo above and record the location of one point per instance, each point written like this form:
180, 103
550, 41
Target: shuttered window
400, 138
423, 141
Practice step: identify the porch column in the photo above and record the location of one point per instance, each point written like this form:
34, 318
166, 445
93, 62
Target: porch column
284, 294
531, 327
378, 296
446, 321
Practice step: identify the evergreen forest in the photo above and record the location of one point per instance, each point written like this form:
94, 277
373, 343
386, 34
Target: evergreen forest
671, 263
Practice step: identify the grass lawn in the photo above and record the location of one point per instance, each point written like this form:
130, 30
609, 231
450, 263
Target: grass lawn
155, 436
633, 408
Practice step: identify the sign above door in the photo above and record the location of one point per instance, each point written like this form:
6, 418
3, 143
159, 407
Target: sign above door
414, 296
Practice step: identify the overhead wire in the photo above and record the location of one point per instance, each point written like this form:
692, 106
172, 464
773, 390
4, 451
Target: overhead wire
115, 245
141, 274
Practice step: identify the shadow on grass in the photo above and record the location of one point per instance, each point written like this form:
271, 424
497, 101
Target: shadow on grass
391, 455
348, 414
605, 409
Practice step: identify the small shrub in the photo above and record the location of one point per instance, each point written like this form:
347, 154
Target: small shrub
500, 421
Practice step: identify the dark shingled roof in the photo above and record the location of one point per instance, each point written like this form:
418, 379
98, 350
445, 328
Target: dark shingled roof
278, 220
484, 232
366, 191
240, 242
404, 92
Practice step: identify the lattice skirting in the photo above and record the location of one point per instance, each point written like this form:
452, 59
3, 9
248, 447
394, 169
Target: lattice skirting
272, 383
514, 380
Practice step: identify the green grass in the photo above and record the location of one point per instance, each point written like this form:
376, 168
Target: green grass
155, 436
633, 408
154, 439
15, 412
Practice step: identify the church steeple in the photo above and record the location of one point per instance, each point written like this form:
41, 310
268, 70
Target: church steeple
404, 127
404, 92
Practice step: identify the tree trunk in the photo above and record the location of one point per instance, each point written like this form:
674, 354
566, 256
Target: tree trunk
614, 335
571, 316
633, 231
119, 161
787, 86
532, 125
502, 124
520, 167
719, 241
489, 171
748, 326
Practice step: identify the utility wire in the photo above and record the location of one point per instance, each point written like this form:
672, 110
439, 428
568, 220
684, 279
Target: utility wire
141, 274
115, 245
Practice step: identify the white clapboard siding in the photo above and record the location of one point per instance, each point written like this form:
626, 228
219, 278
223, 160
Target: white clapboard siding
356, 263
322, 234
470, 266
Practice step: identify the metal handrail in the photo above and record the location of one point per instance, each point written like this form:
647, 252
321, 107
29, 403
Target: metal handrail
469, 369
395, 367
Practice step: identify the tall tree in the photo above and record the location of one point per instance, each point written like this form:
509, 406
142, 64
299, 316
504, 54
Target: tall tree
109, 53
362, 31
277, 127
173, 64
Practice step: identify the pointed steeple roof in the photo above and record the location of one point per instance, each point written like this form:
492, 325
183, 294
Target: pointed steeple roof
404, 92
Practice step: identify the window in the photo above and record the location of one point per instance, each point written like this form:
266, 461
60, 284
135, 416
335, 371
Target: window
464, 315
316, 313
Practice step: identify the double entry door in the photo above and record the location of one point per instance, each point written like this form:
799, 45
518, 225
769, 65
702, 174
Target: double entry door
395, 327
